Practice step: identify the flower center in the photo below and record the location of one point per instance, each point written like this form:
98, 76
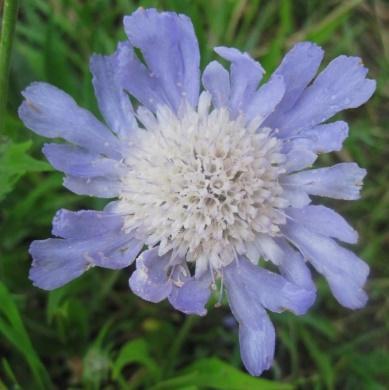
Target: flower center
203, 185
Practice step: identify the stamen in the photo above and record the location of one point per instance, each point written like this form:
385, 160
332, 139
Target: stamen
203, 184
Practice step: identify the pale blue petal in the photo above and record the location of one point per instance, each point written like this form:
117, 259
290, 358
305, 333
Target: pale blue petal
348, 293
245, 309
345, 272
216, 81
340, 181
295, 196
192, 296
150, 280
58, 261
293, 266
324, 221
95, 186
340, 86
256, 332
298, 68
245, 76
321, 139
257, 345
85, 224
170, 49
289, 261
270, 289
113, 102
297, 159
138, 80
76, 161
54, 264
266, 99
50, 112
121, 257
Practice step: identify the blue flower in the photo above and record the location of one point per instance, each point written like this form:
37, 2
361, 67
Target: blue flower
210, 181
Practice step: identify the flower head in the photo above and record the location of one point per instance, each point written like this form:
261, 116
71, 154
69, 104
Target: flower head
210, 179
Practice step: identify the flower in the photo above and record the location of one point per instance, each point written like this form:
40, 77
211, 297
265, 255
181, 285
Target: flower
210, 182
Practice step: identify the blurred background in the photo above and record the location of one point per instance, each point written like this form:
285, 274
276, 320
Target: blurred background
94, 333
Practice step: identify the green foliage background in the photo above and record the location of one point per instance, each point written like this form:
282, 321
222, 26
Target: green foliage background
94, 333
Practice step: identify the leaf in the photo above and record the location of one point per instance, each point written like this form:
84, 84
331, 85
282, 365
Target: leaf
324, 29
213, 373
97, 362
321, 359
14, 163
10, 376
96, 366
273, 55
320, 324
12, 328
134, 351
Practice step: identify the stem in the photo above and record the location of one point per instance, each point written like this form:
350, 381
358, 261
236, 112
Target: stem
104, 291
178, 343
7, 31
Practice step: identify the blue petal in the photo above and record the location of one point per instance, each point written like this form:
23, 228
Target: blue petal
50, 112
85, 224
257, 345
58, 261
150, 280
294, 268
245, 77
289, 261
119, 248
347, 292
321, 139
95, 186
297, 68
298, 159
275, 292
77, 161
126, 251
138, 80
324, 221
341, 85
341, 181
256, 332
295, 196
216, 81
170, 49
54, 264
345, 272
266, 99
113, 102
192, 296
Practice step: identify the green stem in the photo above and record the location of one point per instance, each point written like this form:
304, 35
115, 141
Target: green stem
10, 10
177, 344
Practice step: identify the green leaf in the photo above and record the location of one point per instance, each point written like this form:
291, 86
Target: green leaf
324, 29
320, 324
14, 163
273, 56
134, 351
320, 358
96, 366
213, 373
12, 328
97, 362
10, 11
10, 376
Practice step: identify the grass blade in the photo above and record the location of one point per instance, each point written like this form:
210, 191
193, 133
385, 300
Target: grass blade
7, 31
